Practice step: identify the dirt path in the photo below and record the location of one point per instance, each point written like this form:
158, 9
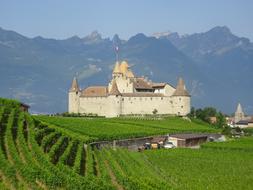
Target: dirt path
113, 178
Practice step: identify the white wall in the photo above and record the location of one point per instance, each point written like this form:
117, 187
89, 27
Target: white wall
73, 102
146, 105
124, 84
181, 105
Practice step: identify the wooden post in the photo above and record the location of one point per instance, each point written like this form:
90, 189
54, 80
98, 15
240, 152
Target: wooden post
114, 145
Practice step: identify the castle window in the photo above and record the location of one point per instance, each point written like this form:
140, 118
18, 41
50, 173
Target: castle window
150, 98
179, 99
76, 93
182, 106
161, 98
122, 99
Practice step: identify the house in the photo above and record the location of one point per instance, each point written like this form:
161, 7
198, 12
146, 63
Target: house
24, 107
157, 142
187, 140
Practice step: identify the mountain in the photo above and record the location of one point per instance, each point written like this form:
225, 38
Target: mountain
216, 65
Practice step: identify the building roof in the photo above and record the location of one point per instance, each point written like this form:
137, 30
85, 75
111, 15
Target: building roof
114, 90
159, 85
24, 105
158, 139
116, 68
141, 83
239, 110
180, 89
242, 122
124, 67
74, 86
95, 91
129, 74
189, 136
250, 120
142, 94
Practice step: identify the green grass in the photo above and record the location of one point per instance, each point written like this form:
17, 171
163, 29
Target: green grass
244, 143
119, 128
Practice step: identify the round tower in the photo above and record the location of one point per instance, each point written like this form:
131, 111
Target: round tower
181, 99
114, 98
74, 94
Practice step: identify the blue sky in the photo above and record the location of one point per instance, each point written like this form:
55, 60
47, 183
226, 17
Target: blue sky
64, 18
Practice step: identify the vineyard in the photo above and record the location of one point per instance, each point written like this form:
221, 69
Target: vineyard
38, 155
119, 128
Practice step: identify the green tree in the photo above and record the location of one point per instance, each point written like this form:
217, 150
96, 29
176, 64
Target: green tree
221, 120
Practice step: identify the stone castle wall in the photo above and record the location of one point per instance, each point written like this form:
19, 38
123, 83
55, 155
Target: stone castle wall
112, 106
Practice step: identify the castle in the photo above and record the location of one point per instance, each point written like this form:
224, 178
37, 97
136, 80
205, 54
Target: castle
127, 94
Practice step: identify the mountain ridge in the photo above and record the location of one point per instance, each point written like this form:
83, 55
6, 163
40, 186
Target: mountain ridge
36, 70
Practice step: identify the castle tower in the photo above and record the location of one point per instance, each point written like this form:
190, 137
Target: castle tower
74, 93
116, 71
114, 98
239, 114
181, 99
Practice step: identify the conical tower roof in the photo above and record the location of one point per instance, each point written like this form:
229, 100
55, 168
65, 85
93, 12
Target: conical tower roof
116, 68
74, 86
239, 108
239, 115
124, 67
180, 89
114, 90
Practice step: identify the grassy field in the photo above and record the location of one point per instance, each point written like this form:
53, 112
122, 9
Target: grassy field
119, 128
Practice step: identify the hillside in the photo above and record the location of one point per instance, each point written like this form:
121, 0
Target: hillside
36, 70
120, 128
34, 155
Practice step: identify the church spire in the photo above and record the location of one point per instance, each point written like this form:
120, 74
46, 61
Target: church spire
180, 89
239, 114
74, 86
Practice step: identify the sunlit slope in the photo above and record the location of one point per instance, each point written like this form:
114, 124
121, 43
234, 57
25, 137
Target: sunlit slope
119, 128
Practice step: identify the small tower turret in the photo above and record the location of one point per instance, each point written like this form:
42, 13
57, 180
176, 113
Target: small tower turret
116, 71
74, 93
181, 99
114, 96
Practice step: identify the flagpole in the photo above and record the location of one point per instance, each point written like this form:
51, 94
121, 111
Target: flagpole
117, 53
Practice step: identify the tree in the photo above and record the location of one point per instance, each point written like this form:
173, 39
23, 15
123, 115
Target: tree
192, 112
221, 120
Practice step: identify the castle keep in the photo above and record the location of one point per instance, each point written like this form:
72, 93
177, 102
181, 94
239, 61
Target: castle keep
127, 94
